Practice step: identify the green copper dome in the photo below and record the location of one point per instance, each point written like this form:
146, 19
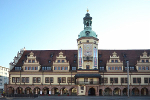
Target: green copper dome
87, 32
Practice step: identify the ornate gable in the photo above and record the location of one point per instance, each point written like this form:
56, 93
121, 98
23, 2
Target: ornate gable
114, 63
31, 64
144, 63
61, 64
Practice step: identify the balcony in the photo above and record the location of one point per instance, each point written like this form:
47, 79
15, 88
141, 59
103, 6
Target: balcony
87, 58
87, 83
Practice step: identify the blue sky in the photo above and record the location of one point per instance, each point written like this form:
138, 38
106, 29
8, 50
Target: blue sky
55, 24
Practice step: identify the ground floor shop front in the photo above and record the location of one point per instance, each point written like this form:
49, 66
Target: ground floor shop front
87, 90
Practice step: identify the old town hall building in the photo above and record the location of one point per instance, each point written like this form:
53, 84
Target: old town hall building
85, 71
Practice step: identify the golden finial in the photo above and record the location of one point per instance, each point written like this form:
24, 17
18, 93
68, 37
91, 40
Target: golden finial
87, 10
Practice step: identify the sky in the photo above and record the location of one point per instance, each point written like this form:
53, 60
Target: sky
56, 24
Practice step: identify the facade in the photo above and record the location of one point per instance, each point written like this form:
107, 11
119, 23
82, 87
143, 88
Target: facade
86, 71
4, 77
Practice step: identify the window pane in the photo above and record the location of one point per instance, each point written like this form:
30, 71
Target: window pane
134, 80
85, 79
51, 79
111, 80
116, 80
64, 80
139, 80
145, 80
122, 80
27, 79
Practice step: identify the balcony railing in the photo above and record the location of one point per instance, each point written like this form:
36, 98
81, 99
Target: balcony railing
87, 83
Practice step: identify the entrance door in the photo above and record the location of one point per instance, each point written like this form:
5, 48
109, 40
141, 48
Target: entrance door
91, 92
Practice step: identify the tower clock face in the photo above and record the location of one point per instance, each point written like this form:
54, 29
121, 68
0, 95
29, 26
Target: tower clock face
88, 49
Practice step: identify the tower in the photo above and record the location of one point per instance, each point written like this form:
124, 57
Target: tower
87, 45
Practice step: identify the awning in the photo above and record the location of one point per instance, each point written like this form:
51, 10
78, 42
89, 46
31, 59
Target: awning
87, 76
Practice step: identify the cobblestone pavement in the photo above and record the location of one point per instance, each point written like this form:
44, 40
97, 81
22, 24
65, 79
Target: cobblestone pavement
81, 98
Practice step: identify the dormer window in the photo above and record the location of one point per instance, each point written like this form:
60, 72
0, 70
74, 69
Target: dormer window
142, 61
58, 61
51, 55
75, 55
49, 61
147, 61
116, 61
29, 61
33, 61
63, 61
112, 61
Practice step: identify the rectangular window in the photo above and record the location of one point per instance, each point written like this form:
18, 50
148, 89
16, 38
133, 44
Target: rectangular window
17, 79
36, 68
66, 68
109, 68
147, 61
29, 61
143, 61
42, 68
116, 68
125, 68
112, 61
48, 68
111, 80
145, 80
59, 80
120, 68
46, 79
34, 79
29, 68
33, 61
116, 61
146, 68
85, 79
105, 80
55, 68
112, 68
139, 80
32, 68
63, 79
143, 68
139, 68
58, 68
126, 81
23, 79
38, 80
58, 61
73, 68
13, 79
51, 79
122, 80
115, 80
27, 79
134, 80
26, 68
63, 61
62, 68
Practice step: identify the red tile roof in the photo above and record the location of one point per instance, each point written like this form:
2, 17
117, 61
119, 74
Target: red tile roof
44, 55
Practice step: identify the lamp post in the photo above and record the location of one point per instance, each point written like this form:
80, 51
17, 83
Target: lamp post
128, 76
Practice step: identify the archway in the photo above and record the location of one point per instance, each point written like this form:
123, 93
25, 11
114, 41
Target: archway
108, 91
100, 92
144, 91
91, 92
64, 91
10, 90
55, 91
135, 91
36, 90
28, 90
117, 91
73, 91
45, 90
19, 90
